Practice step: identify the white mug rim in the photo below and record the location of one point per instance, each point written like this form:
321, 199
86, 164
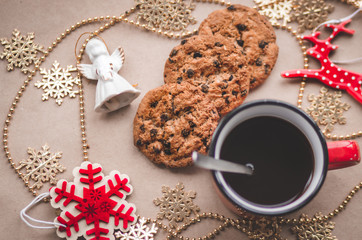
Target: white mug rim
315, 135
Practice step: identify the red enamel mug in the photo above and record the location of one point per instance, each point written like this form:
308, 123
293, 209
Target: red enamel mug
325, 156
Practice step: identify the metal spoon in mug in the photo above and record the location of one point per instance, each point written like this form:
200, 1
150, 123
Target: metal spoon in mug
211, 163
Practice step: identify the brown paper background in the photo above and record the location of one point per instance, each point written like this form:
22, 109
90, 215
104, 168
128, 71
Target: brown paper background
110, 135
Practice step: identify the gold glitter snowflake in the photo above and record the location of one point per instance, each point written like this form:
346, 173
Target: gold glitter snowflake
275, 10
20, 51
264, 228
310, 13
176, 205
327, 109
41, 166
320, 230
173, 15
58, 83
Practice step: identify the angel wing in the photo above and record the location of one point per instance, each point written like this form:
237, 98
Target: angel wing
88, 71
118, 58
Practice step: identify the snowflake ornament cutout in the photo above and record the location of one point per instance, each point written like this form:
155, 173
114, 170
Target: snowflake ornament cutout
41, 166
94, 205
139, 231
327, 109
58, 83
171, 15
264, 228
320, 230
176, 205
310, 13
329, 73
275, 10
20, 51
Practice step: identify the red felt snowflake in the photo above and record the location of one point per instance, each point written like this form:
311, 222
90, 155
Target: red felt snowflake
329, 73
93, 206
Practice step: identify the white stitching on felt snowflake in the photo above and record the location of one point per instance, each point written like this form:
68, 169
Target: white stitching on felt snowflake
58, 83
139, 231
20, 51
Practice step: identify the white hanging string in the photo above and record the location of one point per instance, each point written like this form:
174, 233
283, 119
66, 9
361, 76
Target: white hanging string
337, 21
26, 218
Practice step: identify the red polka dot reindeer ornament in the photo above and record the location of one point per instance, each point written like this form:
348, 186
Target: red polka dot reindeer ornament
329, 73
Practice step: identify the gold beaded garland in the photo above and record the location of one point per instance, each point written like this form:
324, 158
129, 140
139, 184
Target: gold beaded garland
238, 224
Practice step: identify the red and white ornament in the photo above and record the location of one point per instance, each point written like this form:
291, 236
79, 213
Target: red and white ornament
329, 73
94, 205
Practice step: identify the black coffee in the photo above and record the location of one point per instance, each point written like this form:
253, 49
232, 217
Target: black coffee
281, 155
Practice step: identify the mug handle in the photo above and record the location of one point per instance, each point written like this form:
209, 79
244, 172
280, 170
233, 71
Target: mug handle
343, 154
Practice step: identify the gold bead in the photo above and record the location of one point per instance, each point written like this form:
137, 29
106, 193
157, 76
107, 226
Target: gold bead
108, 17
101, 29
106, 25
59, 39
54, 44
84, 22
89, 20
336, 211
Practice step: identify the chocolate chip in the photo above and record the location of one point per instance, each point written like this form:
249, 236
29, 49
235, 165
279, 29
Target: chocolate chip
164, 117
240, 65
227, 100
183, 70
231, 77
192, 124
185, 133
252, 81
266, 68
171, 135
204, 141
244, 92
156, 150
153, 133
235, 93
170, 60
197, 55
217, 64
262, 44
218, 44
142, 127
173, 53
187, 109
139, 142
231, 8
154, 104
179, 80
204, 88
241, 27
166, 144
258, 62
240, 42
183, 42
190, 73
223, 93
167, 151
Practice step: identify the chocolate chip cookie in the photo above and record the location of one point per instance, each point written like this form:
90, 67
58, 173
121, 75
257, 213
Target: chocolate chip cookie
215, 66
250, 32
172, 121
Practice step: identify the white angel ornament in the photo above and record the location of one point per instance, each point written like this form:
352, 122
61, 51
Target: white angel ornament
113, 91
